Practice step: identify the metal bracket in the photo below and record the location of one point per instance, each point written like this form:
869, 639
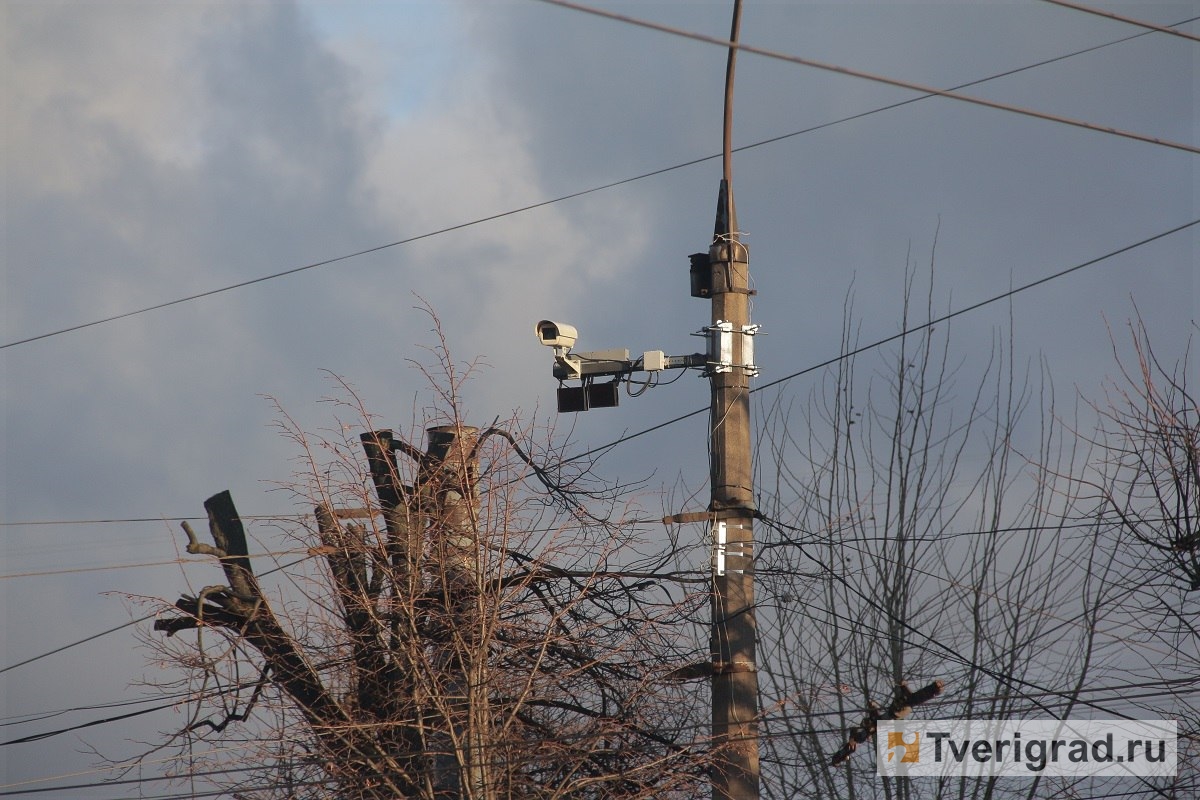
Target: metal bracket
748, 334
720, 347
722, 549
739, 512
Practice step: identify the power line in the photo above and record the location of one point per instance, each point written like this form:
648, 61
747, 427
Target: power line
786, 541
1026, 695
989, 301
40, 716
821, 365
949, 652
190, 795
129, 781
894, 337
968, 84
1079, 620
76, 643
1149, 26
855, 73
119, 767
682, 417
295, 270
136, 565
117, 628
151, 616
906, 332
35, 737
653, 173
115, 520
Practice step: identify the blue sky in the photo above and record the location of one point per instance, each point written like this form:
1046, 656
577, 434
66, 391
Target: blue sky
153, 151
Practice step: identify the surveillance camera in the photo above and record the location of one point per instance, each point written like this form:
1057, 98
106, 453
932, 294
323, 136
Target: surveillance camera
556, 334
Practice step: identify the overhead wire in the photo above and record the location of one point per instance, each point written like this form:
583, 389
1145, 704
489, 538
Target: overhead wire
814, 367
773, 716
1149, 26
632, 179
76, 643
526, 208
34, 737
562, 198
192, 795
1024, 695
147, 617
798, 373
875, 78
114, 520
137, 565
950, 653
122, 626
776, 716
1080, 620
126, 782
118, 767
786, 541
894, 337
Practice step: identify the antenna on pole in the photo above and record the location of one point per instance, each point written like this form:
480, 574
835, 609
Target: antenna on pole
727, 128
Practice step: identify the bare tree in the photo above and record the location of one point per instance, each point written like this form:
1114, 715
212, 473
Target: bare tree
920, 535
476, 619
469, 620
1149, 465
1143, 489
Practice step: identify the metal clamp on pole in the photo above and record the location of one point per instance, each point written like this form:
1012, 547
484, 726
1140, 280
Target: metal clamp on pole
722, 550
720, 336
720, 347
748, 334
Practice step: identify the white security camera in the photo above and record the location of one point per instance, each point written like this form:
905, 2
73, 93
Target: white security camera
556, 334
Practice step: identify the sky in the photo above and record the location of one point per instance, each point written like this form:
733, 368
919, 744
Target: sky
157, 151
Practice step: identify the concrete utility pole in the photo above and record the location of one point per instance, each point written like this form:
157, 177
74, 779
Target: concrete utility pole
722, 275
735, 679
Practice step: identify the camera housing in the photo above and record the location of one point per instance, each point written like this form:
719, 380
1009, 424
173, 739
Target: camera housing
556, 334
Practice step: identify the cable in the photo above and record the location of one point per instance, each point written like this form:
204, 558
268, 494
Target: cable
119, 627
854, 73
989, 301
76, 644
573, 195
180, 518
1079, 620
1150, 26
828, 362
107, 567
192, 795
348, 256
119, 767
894, 337
127, 782
951, 653
35, 737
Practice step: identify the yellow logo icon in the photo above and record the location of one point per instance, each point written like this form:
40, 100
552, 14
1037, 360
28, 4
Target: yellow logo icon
910, 752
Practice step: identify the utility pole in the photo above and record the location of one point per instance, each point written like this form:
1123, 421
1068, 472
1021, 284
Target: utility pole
721, 275
735, 680
734, 630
